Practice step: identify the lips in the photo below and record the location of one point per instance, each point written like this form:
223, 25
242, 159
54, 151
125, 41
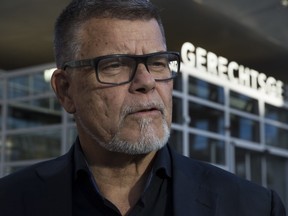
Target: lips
151, 108
143, 110
148, 110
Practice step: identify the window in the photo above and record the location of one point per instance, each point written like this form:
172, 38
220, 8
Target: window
243, 103
177, 84
18, 87
248, 164
1, 88
1, 117
33, 145
244, 128
205, 90
27, 85
207, 149
177, 115
206, 118
276, 113
276, 136
27, 116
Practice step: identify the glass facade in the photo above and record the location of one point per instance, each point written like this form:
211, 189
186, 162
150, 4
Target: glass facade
33, 125
211, 122
231, 129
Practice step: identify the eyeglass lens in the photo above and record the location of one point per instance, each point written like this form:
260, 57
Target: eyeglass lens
122, 68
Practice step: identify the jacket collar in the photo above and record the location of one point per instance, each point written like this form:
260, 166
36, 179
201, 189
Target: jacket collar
192, 195
53, 194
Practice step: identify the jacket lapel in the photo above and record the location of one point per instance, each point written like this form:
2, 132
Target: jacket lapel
53, 194
191, 195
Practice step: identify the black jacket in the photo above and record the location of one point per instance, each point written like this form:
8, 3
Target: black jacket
199, 189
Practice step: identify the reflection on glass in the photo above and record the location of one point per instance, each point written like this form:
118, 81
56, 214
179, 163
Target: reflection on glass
243, 103
205, 90
276, 136
207, 149
176, 141
1, 88
206, 118
33, 145
27, 85
18, 86
248, 165
1, 117
244, 128
0, 145
39, 84
276, 113
49, 103
177, 116
27, 116
256, 167
178, 82
240, 162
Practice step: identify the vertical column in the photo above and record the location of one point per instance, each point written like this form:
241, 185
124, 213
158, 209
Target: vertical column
4, 124
186, 116
229, 146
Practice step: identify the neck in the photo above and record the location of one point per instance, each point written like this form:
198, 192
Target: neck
121, 178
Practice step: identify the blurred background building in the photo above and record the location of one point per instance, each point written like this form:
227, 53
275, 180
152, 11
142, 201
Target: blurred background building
230, 101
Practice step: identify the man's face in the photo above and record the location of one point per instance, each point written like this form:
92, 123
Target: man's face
132, 118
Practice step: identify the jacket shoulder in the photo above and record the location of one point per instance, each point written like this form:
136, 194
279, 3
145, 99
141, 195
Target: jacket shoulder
233, 192
33, 174
203, 169
35, 189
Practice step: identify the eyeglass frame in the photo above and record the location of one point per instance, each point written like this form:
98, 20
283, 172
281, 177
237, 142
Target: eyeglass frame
138, 59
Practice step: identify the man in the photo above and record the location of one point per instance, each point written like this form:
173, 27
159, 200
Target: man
115, 76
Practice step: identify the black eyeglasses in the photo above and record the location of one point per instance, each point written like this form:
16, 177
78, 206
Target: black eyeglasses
121, 68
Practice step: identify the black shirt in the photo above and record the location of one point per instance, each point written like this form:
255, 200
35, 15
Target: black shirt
155, 200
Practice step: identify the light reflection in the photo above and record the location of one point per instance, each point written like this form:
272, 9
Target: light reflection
48, 74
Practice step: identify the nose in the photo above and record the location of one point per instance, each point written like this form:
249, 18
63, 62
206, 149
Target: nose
143, 81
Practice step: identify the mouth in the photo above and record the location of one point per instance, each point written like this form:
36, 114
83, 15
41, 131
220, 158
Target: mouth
148, 110
152, 110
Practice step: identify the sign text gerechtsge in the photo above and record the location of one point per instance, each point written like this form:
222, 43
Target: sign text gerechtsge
208, 64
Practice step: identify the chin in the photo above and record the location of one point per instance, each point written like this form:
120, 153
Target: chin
146, 143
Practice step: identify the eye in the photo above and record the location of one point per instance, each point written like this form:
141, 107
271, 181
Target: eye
116, 66
110, 65
158, 64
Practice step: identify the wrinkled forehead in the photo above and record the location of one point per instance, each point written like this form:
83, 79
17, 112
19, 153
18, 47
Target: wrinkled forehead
118, 34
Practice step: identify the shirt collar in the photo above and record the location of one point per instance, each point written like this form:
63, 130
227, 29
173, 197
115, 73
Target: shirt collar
162, 163
161, 166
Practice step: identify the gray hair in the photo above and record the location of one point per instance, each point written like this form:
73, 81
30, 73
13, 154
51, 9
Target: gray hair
79, 11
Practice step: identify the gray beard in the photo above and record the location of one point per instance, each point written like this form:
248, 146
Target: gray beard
148, 141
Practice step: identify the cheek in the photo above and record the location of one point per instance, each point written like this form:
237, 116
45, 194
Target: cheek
103, 106
110, 105
100, 114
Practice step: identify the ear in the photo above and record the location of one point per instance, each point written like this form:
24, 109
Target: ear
61, 84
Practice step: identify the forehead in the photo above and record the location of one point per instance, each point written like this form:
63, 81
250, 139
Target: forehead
112, 36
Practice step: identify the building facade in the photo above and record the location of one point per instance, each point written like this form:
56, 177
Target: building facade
223, 113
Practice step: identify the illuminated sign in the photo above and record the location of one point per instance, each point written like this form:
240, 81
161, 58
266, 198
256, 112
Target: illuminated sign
209, 65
